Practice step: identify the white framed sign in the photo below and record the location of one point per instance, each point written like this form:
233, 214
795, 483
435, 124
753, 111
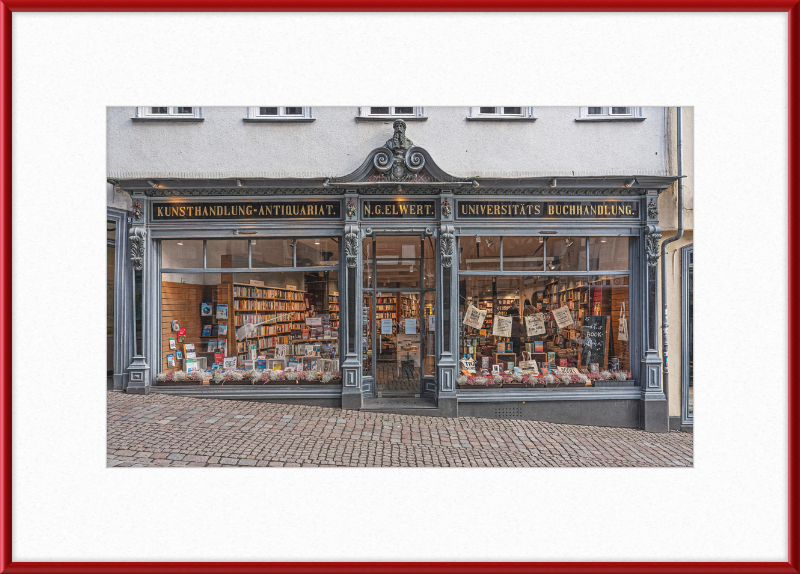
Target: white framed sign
502, 326
229, 363
474, 317
563, 317
534, 324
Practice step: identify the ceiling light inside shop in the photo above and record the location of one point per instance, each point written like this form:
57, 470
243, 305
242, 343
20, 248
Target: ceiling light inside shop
180, 243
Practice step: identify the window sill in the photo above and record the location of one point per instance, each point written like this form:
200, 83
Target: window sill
174, 119
610, 119
278, 120
391, 118
499, 119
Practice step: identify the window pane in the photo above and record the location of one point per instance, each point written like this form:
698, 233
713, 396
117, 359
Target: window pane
320, 251
595, 111
271, 253
202, 312
592, 307
379, 111
160, 110
406, 110
523, 253
183, 110
478, 252
367, 246
366, 335
566, 254
268, 111
608, 253
294, 111
512, 111
226, 253
429, 262
621, 111
488, 110
181, 254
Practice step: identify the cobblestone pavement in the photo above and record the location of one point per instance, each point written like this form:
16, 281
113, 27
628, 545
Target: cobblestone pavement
164, 430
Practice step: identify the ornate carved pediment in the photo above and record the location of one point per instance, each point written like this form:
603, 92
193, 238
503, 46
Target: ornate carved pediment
399, 160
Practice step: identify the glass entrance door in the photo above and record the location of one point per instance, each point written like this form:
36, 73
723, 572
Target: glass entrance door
399, 286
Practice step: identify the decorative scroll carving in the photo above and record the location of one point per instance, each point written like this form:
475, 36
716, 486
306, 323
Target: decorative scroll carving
446, 211
652, 249
351, 249
137, 247
447, 249
652, 209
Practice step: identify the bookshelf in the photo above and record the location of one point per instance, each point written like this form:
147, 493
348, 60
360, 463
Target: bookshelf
253, 304
333, 310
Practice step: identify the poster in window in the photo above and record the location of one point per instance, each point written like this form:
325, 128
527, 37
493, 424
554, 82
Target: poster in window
411, 326
474, 317
563, 316
386, 326
502, 326
534, 324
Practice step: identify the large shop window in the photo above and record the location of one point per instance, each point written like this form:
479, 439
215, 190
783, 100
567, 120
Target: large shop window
555, 314
250, 312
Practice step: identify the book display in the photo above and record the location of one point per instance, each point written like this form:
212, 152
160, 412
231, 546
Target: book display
333, 310
562, 326
284, 309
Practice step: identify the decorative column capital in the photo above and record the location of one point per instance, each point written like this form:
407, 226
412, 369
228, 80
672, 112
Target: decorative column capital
137, 247
351, 244
652, 244
447, 242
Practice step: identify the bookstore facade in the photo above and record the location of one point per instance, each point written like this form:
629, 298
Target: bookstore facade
400, 286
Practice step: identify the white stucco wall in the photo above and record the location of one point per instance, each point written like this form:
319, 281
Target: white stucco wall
120, 200
335, 144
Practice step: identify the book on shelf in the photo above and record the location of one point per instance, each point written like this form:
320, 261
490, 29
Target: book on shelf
171, 343
181, 338
214, 330
178, 355
188, 348
191, 365
218, 357
222, 310
205, 309
182, 331
206, 331
212, 345
170, 360
175, 325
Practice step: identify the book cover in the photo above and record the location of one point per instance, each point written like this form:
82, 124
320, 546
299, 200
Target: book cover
191, 365
218, 357
171, 343
170, 360
538, 346
501, 347
205, 309
182, 331
551, 359
545, 369
175, 326
206, 331
305, 334
188, 348
222, 310
214, 330
181, 338
562, 362
212, 346
179, 355
223, 329
229, 363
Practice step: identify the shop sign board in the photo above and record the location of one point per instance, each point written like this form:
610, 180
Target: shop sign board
245, 210
469, 209
399, 209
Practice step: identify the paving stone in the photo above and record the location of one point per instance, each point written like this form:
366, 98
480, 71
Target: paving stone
244, 433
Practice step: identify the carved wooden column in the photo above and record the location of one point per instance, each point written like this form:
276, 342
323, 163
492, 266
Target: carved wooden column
447, 311
349, 329
138, 371
653, 413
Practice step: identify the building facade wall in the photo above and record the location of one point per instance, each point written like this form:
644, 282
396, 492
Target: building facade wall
223, 145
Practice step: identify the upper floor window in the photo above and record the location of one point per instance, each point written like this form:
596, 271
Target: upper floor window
609, 113
383, 113
278, 114
501, 113
185, 113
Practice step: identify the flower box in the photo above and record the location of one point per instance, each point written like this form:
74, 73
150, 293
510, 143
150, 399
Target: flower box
514, 385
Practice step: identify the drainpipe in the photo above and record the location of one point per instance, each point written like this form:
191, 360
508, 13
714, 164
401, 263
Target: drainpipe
676, 237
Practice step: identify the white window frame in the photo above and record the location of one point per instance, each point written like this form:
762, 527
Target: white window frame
634, 114
526, 114
365, 114
145, 113
254, 115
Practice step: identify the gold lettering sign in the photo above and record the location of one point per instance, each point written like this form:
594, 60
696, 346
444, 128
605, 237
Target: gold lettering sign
399, 209
244, 210
588, 209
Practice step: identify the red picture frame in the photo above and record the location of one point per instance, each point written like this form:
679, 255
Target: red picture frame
6, 9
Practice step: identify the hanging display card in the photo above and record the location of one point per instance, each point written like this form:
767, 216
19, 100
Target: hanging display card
502, 326
411, 326
386, 326
474, 317
563, 316
535, 324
